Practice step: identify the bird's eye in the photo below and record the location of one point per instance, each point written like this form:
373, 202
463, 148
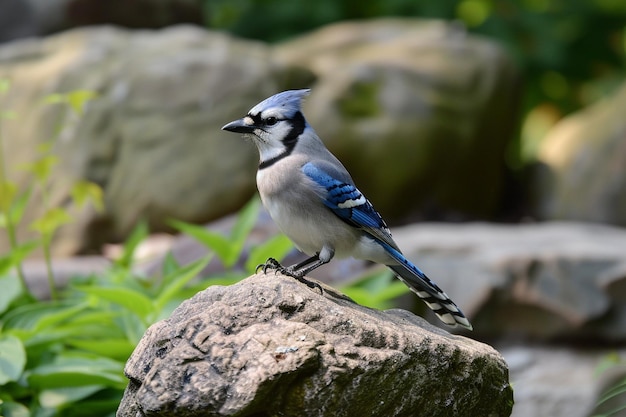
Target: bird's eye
271, 121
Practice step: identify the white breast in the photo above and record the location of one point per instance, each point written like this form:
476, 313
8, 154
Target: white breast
299, 212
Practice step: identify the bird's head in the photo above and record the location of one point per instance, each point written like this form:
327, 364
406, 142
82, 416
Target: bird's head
275, 124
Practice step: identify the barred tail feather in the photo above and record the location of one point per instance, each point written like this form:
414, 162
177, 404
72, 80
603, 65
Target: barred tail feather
437, 300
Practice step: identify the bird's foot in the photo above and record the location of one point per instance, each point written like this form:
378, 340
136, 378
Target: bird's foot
272, 263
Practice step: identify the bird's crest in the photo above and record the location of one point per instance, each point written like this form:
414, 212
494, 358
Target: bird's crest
290, 100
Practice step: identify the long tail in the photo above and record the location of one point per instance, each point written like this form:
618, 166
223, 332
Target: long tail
437, 300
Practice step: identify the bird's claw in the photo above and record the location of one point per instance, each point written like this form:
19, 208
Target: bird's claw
272, 263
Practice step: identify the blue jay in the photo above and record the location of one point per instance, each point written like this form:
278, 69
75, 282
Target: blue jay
313, 200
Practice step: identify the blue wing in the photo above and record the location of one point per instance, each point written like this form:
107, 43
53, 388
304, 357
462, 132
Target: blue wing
347, 202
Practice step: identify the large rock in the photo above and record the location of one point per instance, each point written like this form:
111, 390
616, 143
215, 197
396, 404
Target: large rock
559, 381
17, 20
582, 173
272, 346
419, 111
152, 138
28, 18
547, 281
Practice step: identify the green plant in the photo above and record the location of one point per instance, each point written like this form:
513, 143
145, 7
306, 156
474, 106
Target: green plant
66, 356
230, 249
13, 202
612, 401
376, 289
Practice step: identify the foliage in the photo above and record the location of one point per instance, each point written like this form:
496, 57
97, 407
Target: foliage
377, 289
66, 356
14, 202
612, 401
230, 248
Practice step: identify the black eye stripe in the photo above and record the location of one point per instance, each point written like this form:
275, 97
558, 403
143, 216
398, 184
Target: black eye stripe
256, 118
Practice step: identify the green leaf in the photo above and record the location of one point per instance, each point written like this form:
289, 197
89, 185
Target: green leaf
11, 291
245, 220
16, 256
75, 99
375, 289
8, 115
45, 147
54, 98
42, 167
212, 241
7, 194
102, 404
79, 98
608, 361
277, 247
60, 397
84, 192
139, 234
73, 369
12, 358
51, 221
128, 298
16, 210
5, 85
133, 326
119, 349
170, 265
178, 280
13, 409
38, 316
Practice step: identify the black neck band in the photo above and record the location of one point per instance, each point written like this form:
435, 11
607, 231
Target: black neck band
298, 125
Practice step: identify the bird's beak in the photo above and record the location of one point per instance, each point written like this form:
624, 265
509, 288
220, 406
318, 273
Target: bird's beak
239, 126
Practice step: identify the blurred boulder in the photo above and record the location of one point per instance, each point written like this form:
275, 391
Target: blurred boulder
132, 14
582, 172
152, 138
430, 107
548, 282
419, 111
27, 18
271, 346
17, 20
561, 381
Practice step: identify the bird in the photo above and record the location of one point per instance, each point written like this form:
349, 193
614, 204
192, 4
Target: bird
313, 200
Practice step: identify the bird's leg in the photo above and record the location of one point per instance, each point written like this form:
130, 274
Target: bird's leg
294, 271
299, 270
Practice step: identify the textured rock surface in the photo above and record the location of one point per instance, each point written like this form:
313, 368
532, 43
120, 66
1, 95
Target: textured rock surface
583, 165
430, 106
271, 346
